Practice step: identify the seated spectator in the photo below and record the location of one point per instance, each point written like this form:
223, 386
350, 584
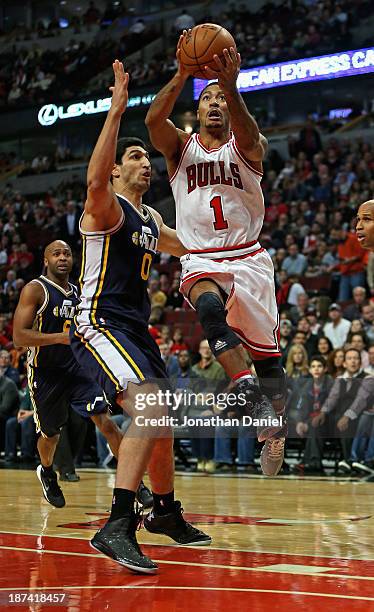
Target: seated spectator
324, 347
296, 312
311, 340
24, 424
9, 403
297, 362
370, 367
184, 21
354, 311
311, 315
157, 297
170, 361
335, 363
352, 264
367, 320
165, 337
358, 342
295, 262
356, 328
285, 342
313, 396
6, 368
338, 328
178, 341
362, 453
347, 399
175, 299
185, 376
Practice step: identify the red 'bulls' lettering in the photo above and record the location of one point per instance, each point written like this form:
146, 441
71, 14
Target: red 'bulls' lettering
213, 173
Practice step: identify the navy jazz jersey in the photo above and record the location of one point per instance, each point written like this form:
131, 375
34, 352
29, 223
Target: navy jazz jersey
54, 316
115, 270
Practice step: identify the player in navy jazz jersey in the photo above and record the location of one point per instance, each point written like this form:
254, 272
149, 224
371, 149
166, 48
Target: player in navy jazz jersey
56, 381
110, 337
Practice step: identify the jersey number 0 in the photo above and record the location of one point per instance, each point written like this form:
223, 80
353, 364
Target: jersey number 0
219, 222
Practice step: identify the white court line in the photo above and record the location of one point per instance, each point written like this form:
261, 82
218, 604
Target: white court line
228, 550
205, 565
191, 588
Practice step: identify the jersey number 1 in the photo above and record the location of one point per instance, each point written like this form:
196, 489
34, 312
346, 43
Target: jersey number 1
220, 222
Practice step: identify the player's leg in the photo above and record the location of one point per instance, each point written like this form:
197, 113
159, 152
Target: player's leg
166, 517
272, 380
206, 297
50, 414
113, 434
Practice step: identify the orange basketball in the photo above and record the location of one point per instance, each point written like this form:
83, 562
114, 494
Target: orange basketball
199, 46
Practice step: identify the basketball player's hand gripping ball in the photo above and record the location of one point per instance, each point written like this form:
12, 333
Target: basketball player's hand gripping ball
182, 70
120, 94
227, 73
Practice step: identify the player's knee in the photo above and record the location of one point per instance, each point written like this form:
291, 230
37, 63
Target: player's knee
212, 316
272, 378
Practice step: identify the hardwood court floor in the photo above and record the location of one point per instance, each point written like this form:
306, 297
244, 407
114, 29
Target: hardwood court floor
278, 544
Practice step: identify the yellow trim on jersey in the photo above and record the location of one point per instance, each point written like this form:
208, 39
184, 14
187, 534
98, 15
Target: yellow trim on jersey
37, 348
129, 360
83, 265
105, 367
30, 380
95, 298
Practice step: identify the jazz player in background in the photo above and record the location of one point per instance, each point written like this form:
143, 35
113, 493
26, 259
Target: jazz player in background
110, 337
365, 225
215, 177
41, 322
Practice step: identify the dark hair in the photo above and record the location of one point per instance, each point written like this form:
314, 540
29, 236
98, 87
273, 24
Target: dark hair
205, 88
318, 358
352, 349
125, 143
328, 342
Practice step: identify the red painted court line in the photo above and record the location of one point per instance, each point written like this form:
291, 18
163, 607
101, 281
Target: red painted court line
27, 568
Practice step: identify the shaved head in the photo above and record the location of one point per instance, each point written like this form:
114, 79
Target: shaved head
55, 244
58, 260
365, 225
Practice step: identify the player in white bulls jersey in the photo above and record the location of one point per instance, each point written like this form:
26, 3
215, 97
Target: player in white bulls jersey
227, 277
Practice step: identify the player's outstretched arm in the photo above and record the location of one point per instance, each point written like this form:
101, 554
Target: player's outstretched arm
101, 202
168, 241
247, 135
31, 299
164, 136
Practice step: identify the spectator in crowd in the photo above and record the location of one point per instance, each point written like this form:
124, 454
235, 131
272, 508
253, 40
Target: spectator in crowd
295, 262
362, 452
296, 312
311, 340
6, 368
178, 341
285, 341
347, 399
185, 376
69, 224
357, 342
23, 422
174, 299
157, 297
335, 363
184, 21
338, 328
352, 264
324, 347
297, 362
313, 397
354, 311
170, 361
368, 320
369, 369
9, 403
310, 139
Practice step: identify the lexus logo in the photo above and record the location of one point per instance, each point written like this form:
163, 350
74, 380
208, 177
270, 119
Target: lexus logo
48, 114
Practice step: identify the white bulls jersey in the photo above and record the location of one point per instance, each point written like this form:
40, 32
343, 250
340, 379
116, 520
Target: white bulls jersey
218, 197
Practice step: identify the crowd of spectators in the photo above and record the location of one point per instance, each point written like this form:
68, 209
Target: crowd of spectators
325, 294
271, 34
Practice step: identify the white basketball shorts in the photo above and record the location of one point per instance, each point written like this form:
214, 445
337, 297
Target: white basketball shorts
248, 281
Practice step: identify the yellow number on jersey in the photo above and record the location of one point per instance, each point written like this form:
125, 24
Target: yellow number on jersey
67, 325
146, 266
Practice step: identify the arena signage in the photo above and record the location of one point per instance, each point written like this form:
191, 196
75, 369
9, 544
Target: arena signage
336, 65
50, 113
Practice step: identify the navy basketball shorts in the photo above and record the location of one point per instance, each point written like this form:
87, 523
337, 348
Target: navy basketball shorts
117, 354
54, 391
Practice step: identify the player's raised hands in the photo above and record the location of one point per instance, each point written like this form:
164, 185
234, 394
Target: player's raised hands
226, 73
181, 69
120, 94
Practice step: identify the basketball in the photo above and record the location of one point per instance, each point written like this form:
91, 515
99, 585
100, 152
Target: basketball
201, 44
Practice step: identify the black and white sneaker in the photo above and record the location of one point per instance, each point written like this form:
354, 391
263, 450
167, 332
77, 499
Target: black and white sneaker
345, 466
365, 467
144, 496
174, 526
117, 540
51, 489
259, 407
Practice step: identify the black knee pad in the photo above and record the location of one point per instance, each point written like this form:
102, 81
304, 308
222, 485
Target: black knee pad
272, 378
212, 316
